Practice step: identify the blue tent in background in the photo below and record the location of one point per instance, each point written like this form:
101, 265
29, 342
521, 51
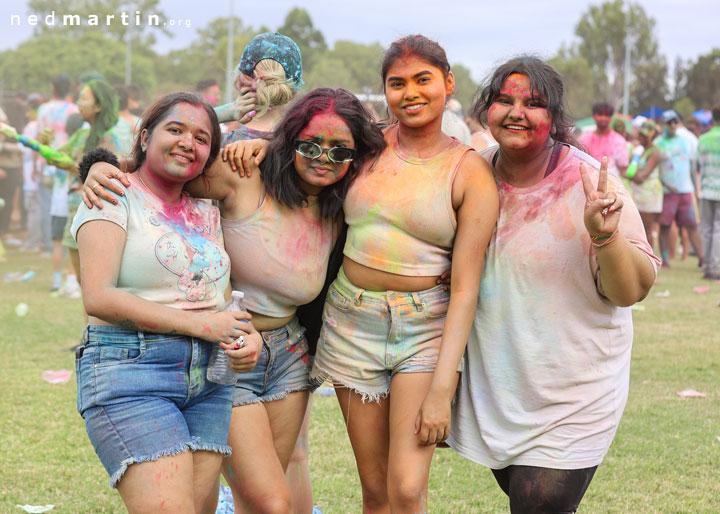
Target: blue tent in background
702, 116
653, 112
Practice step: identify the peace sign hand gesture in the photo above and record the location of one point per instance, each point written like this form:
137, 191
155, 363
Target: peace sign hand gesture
602, 209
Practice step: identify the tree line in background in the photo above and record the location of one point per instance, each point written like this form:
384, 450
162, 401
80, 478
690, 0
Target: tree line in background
592, 67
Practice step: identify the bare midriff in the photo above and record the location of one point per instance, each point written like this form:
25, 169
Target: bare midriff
259, 321
376, 280
263, 323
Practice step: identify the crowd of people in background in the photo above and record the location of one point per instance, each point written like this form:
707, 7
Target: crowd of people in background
506, 178
676, 187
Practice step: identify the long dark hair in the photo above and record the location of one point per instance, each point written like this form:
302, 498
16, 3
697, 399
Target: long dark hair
157, 111
107, 118
281, 179
544, 80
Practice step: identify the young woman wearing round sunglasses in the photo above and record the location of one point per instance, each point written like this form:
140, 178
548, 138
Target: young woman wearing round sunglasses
280, 226
389, 331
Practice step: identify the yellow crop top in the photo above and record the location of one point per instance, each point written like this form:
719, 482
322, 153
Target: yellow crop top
400, 213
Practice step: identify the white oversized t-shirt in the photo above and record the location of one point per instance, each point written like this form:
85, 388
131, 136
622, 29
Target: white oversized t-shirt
548, 360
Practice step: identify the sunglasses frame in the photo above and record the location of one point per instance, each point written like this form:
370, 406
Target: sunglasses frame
325, 150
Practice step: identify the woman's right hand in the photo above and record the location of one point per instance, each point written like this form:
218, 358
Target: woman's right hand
223, 327
245, 156
99, 181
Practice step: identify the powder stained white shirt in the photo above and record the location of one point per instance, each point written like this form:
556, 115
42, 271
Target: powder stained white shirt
548, 360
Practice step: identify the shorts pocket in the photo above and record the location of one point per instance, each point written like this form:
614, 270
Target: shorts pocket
436, 308
79, 382
105, 356
337, 300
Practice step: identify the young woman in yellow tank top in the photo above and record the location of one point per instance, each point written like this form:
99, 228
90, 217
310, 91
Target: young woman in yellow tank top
390, 331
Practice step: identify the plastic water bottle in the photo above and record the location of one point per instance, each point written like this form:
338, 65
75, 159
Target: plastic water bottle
218, 370
633, 167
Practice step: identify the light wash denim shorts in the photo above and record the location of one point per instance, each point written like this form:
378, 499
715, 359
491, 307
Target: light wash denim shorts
144, 396
368, 336
283, 367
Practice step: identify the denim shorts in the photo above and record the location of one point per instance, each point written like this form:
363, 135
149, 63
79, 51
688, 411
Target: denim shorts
368, 336
144, 396
283, 367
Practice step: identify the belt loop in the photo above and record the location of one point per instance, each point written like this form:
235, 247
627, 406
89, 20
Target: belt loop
86, 334
419, 304
141, 338
357, 298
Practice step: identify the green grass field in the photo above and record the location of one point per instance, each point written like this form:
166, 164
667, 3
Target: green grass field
665, 458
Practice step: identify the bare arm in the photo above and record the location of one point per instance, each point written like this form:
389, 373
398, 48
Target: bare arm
101, 245
477, 211
652, 162
217, 182
626, 273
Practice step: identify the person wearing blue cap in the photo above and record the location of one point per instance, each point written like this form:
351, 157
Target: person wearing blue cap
267, 78
679, 183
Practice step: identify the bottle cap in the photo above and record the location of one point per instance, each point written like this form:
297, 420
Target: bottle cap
238, 295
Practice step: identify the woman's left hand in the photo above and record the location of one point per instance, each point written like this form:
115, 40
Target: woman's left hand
433, 420
244, 358
602, 208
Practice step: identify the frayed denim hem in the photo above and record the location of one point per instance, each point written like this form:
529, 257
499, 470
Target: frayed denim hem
319, 376
193, 446
273, 397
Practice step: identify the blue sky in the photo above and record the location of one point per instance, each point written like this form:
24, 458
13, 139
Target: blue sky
478, 34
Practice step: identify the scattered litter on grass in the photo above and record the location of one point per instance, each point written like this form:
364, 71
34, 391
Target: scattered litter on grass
691, 393
638, 307
56, 377
16, 276
663, 294
701, 289
326, 391
718, 438
21, 309
36, 509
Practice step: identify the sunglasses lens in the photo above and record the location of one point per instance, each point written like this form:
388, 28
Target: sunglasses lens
340, 154
308, 149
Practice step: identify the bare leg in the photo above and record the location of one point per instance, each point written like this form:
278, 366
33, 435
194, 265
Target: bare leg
694, 237
57, 256
206, 477
650, 220
685, 238
161, 486
262, 437
664, 243
369, 432
409, 462
298, 471
672, 241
